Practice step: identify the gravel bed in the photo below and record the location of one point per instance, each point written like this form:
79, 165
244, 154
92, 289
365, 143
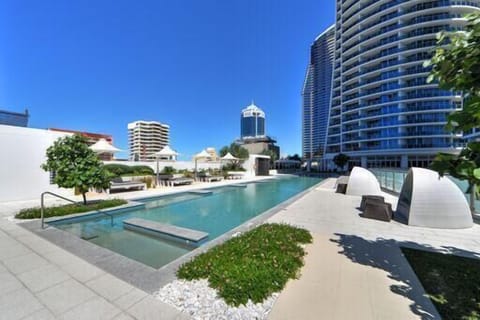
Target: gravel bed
202, 302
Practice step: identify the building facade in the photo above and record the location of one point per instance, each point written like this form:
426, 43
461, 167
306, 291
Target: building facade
145, 138
92, 138
316, 95
252, 122
17, 119
383, 112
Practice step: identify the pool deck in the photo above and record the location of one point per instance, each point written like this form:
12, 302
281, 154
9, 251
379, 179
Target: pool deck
354, 268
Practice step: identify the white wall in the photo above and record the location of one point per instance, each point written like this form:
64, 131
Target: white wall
22, 153
178, 165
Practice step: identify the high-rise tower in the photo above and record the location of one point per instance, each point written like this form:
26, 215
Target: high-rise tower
146, 138
383, 112
252, 122
316, 95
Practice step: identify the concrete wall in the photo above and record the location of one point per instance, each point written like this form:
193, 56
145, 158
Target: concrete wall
22, 153
178, 165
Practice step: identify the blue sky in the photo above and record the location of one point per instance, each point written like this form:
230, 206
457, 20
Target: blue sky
97, 65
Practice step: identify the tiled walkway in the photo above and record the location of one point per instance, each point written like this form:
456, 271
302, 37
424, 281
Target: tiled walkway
41, 281
354, 269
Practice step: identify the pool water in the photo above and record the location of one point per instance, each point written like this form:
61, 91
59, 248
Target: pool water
215, 213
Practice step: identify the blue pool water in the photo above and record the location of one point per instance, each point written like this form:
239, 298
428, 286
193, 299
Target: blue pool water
216, 213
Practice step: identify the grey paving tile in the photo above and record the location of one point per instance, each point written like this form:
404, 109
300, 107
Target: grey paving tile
65, 296
42, 278
36, 243
8, 283
126, 301
109, 287
123, 316
82, 271
18, 304
61, 257
149, 309
25, 263
42, 314
95, 309
13, 249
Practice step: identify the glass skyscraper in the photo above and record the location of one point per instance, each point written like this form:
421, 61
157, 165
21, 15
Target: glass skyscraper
316, 95
383, 113
252, 122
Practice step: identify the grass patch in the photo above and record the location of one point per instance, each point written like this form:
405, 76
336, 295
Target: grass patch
451, 282
253, 265
32, 213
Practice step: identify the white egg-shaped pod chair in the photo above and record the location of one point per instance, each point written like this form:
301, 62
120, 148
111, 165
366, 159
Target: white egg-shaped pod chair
362, 182
427, 200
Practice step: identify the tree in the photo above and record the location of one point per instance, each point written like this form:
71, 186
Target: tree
75, 165
341, 160
294, 157
456, 66
272, 155
236, 150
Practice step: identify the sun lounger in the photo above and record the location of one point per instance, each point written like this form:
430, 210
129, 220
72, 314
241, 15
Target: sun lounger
207, 177
119, 184
236, 174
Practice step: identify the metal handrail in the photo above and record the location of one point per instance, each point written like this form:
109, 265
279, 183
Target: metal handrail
42, 209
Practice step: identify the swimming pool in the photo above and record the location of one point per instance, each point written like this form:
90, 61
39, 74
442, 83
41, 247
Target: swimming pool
215, 213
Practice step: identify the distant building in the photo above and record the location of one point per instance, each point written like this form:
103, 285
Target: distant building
145, 138
260, 145
252, 122
316, 95
17, 119
92, 138
253, 137
213, 154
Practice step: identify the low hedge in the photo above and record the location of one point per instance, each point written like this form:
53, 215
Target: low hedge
253, 265
33, 213
117, 170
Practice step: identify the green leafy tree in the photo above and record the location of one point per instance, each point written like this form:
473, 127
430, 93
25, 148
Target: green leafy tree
76, 165
236, 150
272, 155
341, 160
456, 66
295, 157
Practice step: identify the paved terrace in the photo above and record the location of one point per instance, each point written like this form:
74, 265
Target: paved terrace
39, 280
354, 268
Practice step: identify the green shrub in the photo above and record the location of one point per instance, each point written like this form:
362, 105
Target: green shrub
32, 213
253, 265
142, 170
118, 169
168, 170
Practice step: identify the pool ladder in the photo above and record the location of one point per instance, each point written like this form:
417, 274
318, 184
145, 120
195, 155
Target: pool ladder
42, 197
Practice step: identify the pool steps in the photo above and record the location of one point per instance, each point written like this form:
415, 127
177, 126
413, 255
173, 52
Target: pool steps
165, 231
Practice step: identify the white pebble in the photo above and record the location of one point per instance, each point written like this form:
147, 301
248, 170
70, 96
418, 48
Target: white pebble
200, 301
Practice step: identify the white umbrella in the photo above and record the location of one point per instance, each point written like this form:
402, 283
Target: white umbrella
102, 146
229, 157
165, 152
202, 155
